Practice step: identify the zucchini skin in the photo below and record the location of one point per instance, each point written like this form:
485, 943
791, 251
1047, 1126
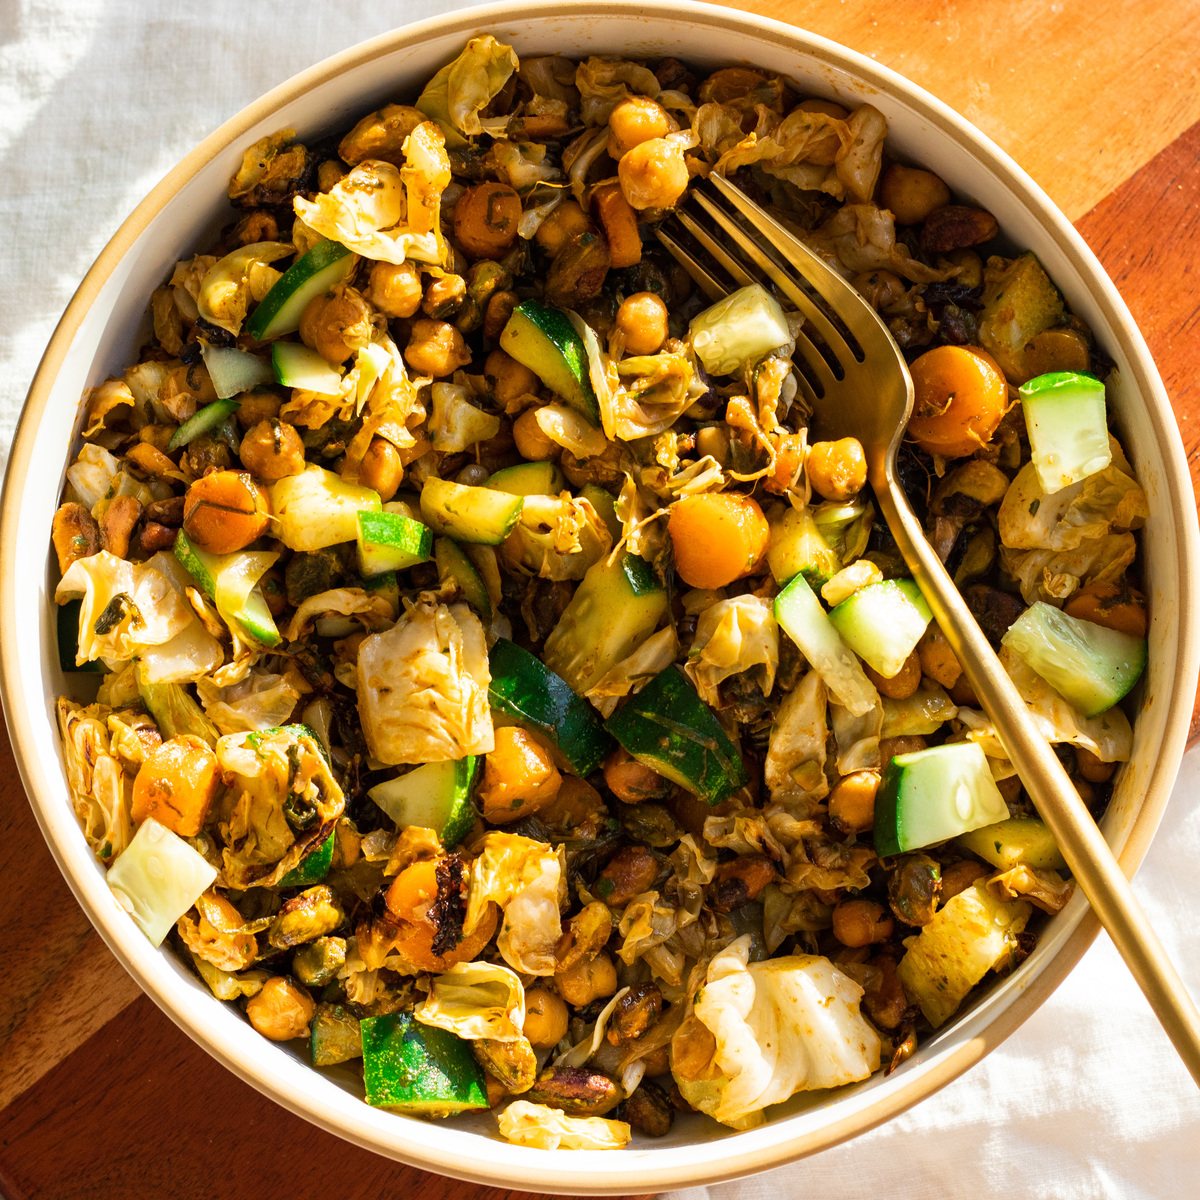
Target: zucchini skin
669, 728
524, 687
414, 1068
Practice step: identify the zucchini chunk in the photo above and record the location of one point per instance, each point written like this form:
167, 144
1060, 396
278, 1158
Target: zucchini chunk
882, 623
433, 796
797, 548
543, 339
317, 508
391, 542
297, 366
670, 729
529, 479
1025, 840
469, 514
231, 580
932, 795
452, 563
615, 608
418, 1069
525, 688
1068, 428
282, 307
1088, 665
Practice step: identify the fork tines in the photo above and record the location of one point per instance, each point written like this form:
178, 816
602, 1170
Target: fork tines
731, 242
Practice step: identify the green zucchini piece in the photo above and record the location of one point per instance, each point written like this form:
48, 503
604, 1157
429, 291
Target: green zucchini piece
452, 563
614, 610
669, 728
419, 1069
297, 366
336, 1036
1068, 428
233, 370
1025, 840
738, 330
529, 479
314, 866
1089, 665
281, 308
469, 514
525, 688
203, 420
390, 542
797, 548
882, 623
433, 796
254, 617
175, 712
543, 339
67, 631
932, 795
317, 508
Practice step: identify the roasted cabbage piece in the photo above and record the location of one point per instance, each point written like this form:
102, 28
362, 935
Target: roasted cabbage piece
280, 802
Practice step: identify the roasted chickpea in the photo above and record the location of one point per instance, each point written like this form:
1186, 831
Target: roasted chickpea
255, 406
563, 223
852, 802
837, 470
961, 875
901, 685
1093, 769
508, 379
911, 194
969, 266
282, 1010
545, 1019
381, 468
632, 781
634, 120
653, 174
587, 981
642, 318
336, 324
499, 308
880, 289
890, 747
225, 512
444, 297
272, 450
713, 441
395, 288
937, 659
485, 219
329, 174
436, 348
531, 439
861, 923
186, 389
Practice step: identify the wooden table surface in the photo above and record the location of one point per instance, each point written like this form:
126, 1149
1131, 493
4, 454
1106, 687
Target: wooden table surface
1098, 100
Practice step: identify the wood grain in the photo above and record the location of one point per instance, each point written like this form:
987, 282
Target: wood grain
1082, 93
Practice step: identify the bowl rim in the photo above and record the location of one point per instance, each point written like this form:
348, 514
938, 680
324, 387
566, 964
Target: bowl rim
609, 1179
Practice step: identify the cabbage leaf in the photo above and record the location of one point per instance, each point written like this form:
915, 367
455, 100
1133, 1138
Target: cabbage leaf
475, 1000
461, 90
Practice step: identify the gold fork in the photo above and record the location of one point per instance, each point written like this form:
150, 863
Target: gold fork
858, 384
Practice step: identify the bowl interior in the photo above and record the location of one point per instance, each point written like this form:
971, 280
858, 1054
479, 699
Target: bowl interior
100, 336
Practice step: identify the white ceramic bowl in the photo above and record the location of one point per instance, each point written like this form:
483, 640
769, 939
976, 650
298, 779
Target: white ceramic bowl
98, 336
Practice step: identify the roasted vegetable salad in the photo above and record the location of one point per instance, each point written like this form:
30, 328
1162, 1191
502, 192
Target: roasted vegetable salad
486, 678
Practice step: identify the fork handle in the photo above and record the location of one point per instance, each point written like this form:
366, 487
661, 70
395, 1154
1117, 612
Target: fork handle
1053, 794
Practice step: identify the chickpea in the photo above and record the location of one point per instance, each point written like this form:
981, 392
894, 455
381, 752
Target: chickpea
257, 406
970, 267
911, 194
901, 685
963, 694
499, 308
531, 439
563, 223
937, 659
335, 324
158, 436
272, 450
329, 174
1087, 792
961, 875
629, 872
473, 475
545, 1019
496, 1091
713, 441
1092, 768
436, 348
642, 318
381, 468
587, 981
861, 923
444, 297
852, 802
225, 512
509, 379
395, 288
653, 174
282, 1010
635, 120
837, 470
880, 289
890, 747
485, 219
186, 389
